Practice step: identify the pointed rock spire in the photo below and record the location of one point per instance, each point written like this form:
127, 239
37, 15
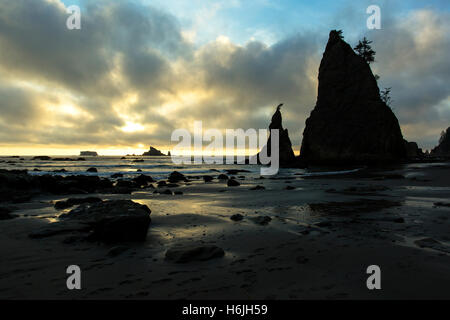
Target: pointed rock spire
350, 123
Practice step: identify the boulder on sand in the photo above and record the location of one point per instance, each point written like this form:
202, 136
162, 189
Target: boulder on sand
175, 177
114, 220
233, 183
350, 123
143, 180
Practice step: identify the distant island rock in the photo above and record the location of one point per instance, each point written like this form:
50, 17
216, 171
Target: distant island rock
88, 154
443, 148
153, 152
286, 155
350, 123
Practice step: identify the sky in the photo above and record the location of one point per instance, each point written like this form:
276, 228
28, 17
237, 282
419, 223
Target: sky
138, 70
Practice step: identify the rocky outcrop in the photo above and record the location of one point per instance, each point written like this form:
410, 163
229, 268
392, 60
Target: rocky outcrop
350, 123
443, 148
153, 152
286, 155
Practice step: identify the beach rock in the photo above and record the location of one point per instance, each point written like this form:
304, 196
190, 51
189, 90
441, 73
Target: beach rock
143, 180
222, 177
153, 152
237, 217
443, 148
176, 177
75, 201
190, 254
286, 154
350, 123
92, 170
117, 175
289, 188
178, 193
125, 184
172, 185
162, 183
113, 220
233, 183
261, 220
258, 187
207, 178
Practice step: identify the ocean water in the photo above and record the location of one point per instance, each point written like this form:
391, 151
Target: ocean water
157, 167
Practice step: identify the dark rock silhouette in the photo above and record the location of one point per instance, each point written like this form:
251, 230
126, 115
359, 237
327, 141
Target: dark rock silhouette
443, 148
88, 154
350, 123
113, 220
153, 152
175, 177
232, 183
413, 150
287, 157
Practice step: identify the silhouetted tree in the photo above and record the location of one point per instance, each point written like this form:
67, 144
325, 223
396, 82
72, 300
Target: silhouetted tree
385, 96
365, 51
339, 32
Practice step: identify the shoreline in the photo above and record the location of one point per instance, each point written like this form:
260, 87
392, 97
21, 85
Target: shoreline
322, 234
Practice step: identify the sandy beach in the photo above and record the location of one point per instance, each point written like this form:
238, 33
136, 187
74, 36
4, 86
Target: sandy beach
321, 234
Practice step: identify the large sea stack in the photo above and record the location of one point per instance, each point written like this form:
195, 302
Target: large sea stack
286, 155
350, 123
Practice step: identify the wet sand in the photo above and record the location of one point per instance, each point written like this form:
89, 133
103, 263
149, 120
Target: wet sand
322, 236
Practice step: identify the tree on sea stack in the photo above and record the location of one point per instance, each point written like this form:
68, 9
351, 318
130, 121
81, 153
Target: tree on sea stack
365, 51
385, 96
